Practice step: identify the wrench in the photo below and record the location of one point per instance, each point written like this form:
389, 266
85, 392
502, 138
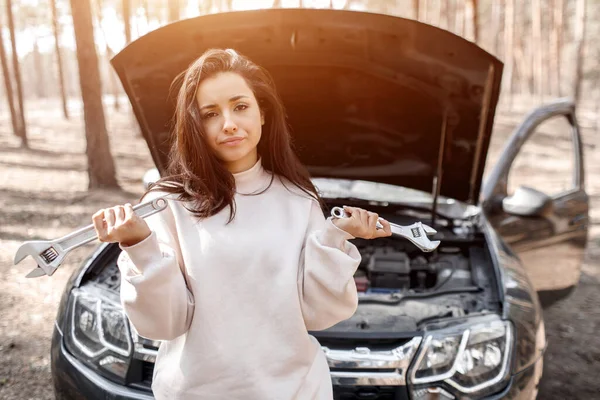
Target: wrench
49, 254
416, 233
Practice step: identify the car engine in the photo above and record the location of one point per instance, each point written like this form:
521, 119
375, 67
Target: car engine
386, 269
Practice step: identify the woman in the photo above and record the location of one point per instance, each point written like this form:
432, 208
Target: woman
242, 262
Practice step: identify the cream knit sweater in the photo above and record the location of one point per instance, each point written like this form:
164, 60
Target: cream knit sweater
232, 304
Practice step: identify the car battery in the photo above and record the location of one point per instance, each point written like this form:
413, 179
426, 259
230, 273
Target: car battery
388, 268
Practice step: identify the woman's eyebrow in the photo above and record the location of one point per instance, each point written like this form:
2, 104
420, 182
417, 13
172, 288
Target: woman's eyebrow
231, 100
236, 98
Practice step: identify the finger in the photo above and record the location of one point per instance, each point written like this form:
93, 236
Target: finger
373, 217
364, 218
354, 215
99, 224
109, 217
119, 215
387, 229
128, 212
350, 210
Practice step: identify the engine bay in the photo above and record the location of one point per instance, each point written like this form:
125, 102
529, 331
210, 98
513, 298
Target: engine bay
400, 287
390, 269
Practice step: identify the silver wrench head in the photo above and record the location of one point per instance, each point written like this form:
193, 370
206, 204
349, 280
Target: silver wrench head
46, 254
428, 230
418, 233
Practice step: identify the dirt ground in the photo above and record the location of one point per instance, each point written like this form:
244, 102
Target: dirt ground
43, 195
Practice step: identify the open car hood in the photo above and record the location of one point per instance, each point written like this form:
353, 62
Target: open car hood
369, 97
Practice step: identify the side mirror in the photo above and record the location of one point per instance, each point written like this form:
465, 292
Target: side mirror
527, 202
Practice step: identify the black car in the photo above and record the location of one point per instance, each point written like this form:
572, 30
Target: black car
394, 116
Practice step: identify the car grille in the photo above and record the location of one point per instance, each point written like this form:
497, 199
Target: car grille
360, 369
142, 365
370, 393
339, 343
339, 392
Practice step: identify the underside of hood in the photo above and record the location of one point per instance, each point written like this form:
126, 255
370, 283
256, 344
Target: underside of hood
369, 97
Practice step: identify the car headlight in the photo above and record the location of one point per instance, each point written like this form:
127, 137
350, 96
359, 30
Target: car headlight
466, 361
97, 331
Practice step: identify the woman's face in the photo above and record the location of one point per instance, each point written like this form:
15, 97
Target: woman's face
231, 119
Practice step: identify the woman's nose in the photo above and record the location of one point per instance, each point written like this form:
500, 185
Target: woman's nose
229, 126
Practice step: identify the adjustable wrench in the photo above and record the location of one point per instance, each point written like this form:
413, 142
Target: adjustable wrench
416, 233
49, 254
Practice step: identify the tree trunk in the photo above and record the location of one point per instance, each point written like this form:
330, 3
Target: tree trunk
144, 6
416, 9
423, 11
59, 63
127, 24
444, 23
509, 36
40, 81
127, 20
459, 17
205, 6
496, 27
579, 41
17, 72
436, 14
8, 86
101, 168
114, 85
598, 110
472, 14
556, 39
112, 80
174, 10
450, 15
522, 59
536, 31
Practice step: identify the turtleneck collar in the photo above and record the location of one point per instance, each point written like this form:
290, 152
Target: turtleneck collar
252, 180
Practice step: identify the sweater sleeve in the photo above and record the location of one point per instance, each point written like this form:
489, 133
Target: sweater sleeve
154, 291
326, 273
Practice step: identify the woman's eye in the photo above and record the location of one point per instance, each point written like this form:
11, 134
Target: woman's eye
240, 107
209, 115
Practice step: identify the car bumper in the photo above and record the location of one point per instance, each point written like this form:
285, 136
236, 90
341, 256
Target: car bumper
73, 380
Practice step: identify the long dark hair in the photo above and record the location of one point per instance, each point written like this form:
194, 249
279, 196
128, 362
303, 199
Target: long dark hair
194, 172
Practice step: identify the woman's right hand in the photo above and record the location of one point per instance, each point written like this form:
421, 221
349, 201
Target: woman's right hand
120, 224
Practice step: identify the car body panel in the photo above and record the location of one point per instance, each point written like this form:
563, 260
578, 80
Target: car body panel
368, 96
520, 302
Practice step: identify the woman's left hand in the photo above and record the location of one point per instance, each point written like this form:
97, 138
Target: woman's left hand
362, 224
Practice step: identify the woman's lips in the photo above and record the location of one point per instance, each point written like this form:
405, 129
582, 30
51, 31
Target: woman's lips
233, 142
